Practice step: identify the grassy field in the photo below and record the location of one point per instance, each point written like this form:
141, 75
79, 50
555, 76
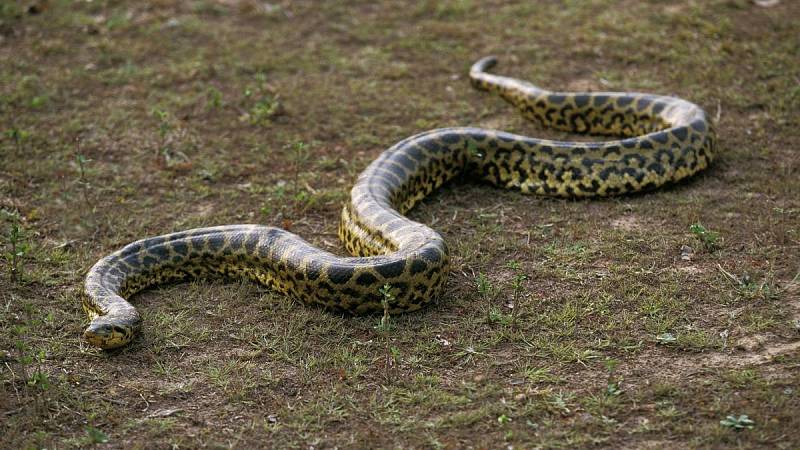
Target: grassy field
641, 322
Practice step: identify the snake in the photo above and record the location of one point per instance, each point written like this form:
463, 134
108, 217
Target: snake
397, 264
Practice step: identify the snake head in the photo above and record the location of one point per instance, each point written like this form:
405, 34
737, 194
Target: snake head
107, 333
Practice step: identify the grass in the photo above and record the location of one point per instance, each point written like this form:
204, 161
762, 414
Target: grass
563, 323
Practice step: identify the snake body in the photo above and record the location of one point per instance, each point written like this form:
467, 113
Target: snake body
660, 140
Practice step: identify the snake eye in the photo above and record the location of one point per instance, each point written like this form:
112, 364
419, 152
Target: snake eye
98, 330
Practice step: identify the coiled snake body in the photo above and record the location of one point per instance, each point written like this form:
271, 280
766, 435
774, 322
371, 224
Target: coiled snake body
663, 140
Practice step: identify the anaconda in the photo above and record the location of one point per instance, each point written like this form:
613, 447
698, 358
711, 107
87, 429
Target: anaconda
660, 140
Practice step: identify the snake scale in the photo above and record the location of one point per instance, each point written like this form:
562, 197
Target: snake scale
660, 140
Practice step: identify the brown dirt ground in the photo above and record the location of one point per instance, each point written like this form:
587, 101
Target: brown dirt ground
129, 119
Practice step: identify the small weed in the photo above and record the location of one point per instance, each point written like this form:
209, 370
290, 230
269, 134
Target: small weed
484, 289
213, 98
164, 123
83, 180
387, 297
495, 315
516, 285
27, 358
614, 389
473, 150
95, 436
10, 10
38, 101
265, 103
539, 375
299, 154
667, 410
18, 136
558, 402
175, 141
29, 361
666, 338
392, 354
742, 378
263, 110
738, 423
697, 340
710, 239
750, 289
17, 244
611, 365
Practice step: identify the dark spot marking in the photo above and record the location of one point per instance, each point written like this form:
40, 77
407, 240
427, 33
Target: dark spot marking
657, 168
624, 101
180, 248
450, 138
643, 103
400, 289
216, 243
631, 157
160, 252
611, 149
414, 153
699, 125
581, 100
430, 145
605, 173
680, 133
398, 171
366, 279
600, 100
479, 137
149, 261
340, 274
391, 269
325, 285
131, 249
661, 138
352, 293
404, 161
588, 162
250, 242
152, 242
431, 254
418, 266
